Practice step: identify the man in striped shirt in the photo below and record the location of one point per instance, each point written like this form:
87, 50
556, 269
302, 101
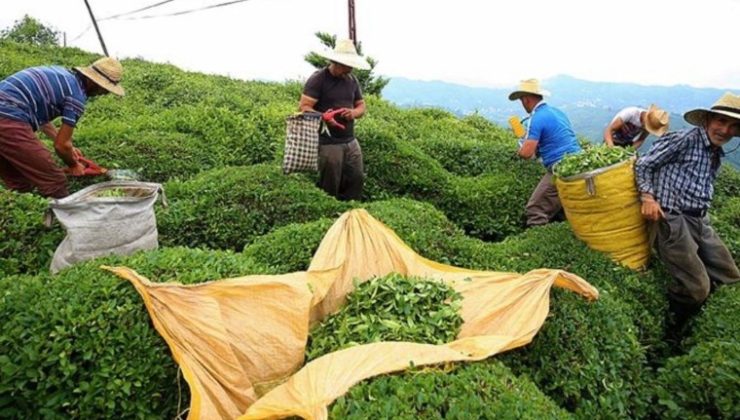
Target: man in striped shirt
29, 101
675, 179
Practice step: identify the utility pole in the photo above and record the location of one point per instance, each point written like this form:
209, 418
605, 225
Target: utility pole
95, 24
352, 27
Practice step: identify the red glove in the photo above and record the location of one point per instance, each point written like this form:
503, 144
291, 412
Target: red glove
329, 115
90, 168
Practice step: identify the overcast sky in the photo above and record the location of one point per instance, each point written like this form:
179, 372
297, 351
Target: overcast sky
474, 42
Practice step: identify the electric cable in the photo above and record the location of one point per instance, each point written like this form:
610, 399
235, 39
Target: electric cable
185, 12
121, 16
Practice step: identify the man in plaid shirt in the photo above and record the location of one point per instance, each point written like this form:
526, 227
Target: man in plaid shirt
675, 179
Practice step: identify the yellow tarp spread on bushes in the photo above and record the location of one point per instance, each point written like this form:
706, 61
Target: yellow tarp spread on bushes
603, 209
236, 338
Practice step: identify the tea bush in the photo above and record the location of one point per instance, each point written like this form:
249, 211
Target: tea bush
717, 319
490, 207
726, 186
483, 390
704, 384
472, 157
599, 368
17, 56
726, 221
555, 246
81, 344
289, 248
227, 208
396, 168
419, 225
26, 245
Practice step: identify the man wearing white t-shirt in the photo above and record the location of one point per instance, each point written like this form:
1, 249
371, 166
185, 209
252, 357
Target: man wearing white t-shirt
632, 125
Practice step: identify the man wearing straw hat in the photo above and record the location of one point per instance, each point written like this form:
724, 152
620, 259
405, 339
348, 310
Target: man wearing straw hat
335, 92
549, 135
675, 179
29, 101
632, 125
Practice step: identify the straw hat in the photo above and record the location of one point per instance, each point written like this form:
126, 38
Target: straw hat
728, 105
106, 73
344, 52
656, 121
528, 87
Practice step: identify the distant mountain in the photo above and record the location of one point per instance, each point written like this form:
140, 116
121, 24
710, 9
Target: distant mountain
589, 105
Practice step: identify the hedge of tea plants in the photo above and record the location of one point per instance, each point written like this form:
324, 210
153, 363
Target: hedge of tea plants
80, 344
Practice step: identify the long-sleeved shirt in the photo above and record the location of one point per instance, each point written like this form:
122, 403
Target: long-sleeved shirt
38, 95
680, 169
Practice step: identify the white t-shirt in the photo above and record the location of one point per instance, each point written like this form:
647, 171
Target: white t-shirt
631, 125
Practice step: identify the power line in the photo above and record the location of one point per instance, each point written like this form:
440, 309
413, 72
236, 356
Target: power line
185, 12
151, 6
131, 12
120, 16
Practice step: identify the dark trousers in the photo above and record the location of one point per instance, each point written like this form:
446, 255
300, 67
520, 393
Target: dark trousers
25, 163
341, 170
544, 202
695, 257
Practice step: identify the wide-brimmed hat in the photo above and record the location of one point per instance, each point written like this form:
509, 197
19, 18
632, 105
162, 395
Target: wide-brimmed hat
528, 87
106, 73
656, 121
728, 105
344, 52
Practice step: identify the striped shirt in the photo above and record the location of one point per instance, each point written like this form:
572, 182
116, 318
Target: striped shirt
680, 169
38, 95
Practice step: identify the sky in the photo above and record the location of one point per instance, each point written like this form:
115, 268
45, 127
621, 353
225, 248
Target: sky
474, 42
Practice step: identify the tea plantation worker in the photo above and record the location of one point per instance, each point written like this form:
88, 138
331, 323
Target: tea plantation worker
335, 89
675, 179
549, 135
29, 100
632, 125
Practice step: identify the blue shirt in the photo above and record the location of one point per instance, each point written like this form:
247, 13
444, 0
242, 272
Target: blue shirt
680, 169
38, 95
554, 135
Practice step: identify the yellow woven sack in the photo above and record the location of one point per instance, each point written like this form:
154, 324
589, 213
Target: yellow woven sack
603, 209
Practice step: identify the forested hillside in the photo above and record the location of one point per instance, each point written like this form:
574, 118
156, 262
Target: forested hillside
80, 344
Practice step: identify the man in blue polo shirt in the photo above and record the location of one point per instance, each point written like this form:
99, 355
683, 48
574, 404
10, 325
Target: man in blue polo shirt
550, 136
29, 101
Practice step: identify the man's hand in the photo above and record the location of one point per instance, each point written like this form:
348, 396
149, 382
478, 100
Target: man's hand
650, 208
348, 114
76, 170
329, 115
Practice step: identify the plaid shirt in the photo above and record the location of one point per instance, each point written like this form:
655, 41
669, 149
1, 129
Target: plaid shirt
680, 169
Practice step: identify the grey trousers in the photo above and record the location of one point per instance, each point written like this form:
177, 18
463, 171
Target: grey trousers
544, 202
341, 170
695, 257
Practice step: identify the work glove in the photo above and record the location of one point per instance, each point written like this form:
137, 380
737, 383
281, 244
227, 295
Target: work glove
328, 117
